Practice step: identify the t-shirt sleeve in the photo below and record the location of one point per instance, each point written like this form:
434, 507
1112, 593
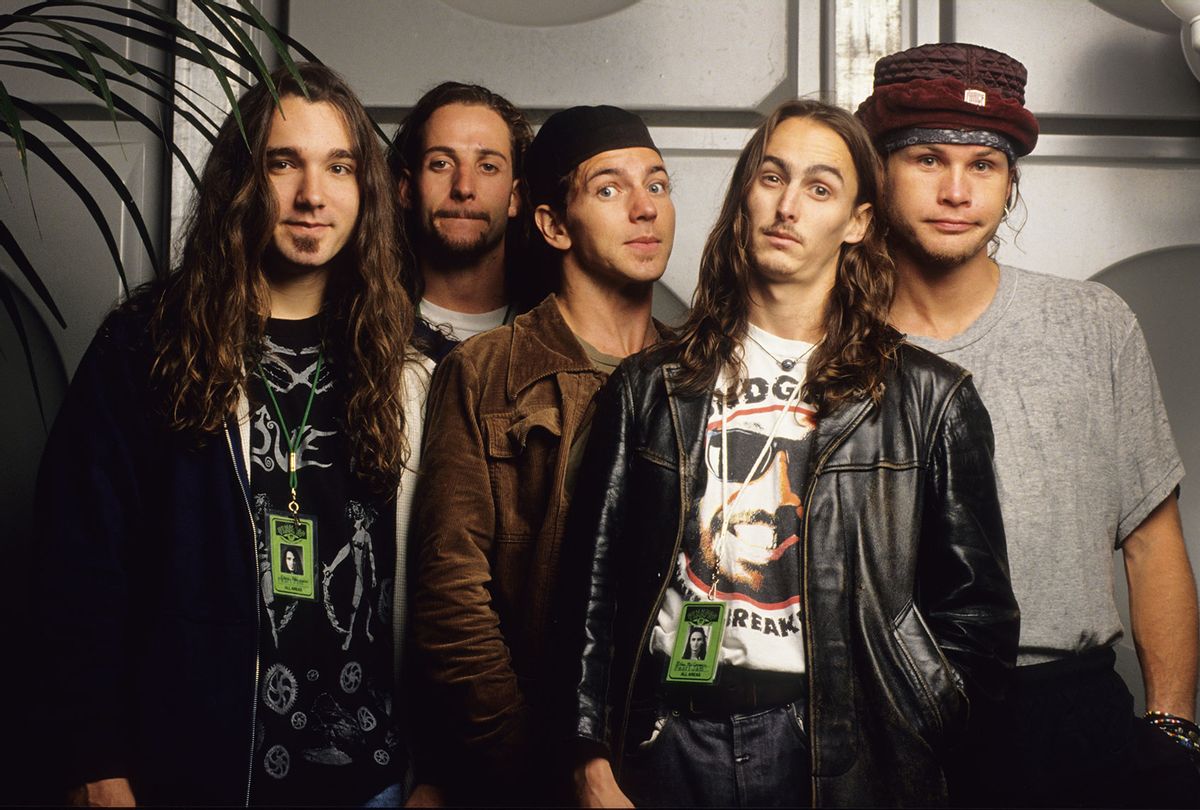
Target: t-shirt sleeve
1150, 467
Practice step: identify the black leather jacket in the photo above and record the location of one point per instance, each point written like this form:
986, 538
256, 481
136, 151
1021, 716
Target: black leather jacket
908, 609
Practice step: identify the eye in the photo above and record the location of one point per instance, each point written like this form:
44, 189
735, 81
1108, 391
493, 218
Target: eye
929, 161
821, 191
658, 187
341, 169
489, 168
279, 165
606, 192
771, 179
982, 165
439, 164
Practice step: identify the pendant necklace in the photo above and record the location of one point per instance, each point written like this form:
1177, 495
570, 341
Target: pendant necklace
787, 363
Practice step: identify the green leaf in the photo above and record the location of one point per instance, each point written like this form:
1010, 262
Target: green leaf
39, 148
14, 314
9, 243
136, 114
208, 128
260, 22
13, 122
274, 34
241, 42
96, 159
209, 60
158, 42
88, 57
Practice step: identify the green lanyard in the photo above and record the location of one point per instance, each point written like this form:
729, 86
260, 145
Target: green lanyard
294, 437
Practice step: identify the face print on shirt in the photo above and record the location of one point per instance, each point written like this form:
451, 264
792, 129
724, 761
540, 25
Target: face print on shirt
755, 495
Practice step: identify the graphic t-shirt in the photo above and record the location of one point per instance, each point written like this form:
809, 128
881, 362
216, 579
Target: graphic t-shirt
746, 527
325, 733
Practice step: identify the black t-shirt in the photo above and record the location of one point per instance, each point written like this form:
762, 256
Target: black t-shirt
325, 730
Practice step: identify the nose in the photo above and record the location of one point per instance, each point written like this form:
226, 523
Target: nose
642, 207
787, 207
311, 192
463, 185
954, 189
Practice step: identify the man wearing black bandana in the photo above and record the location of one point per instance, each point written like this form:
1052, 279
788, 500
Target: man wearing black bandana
509, 416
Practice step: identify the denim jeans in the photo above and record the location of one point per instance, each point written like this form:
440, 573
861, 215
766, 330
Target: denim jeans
760, 759
390, 796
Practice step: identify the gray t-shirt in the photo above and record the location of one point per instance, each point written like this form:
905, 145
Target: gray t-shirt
1083, 448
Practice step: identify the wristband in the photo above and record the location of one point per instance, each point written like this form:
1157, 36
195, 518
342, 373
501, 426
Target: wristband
1179, 729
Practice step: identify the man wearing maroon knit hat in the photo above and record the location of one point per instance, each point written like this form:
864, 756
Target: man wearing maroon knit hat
1085, 461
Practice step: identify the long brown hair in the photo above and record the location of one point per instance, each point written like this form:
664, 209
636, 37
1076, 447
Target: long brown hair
851, 360
209, 316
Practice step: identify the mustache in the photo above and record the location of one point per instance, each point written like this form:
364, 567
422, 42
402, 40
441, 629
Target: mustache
781, 231
451, 213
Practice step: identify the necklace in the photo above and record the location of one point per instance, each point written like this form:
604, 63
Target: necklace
787, 363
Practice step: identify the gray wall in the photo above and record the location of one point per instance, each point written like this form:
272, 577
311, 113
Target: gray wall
1111, 185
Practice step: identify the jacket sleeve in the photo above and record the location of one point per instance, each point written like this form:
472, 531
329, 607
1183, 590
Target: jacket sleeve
467, 696
964, 590
587, 586
89, 509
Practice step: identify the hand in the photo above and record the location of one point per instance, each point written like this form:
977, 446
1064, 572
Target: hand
104, 793
595, 785
426, 795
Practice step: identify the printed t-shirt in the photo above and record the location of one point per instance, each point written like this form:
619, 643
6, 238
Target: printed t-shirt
759, 560
325, 733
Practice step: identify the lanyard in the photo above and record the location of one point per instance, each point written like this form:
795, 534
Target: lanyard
293, 438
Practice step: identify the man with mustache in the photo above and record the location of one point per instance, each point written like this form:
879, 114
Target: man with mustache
789, 463
1084, 455
457, 159
509, 416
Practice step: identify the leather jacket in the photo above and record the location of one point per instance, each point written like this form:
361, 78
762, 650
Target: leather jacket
908, 610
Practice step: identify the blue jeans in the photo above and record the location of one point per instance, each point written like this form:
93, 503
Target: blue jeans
390, 796
760, 759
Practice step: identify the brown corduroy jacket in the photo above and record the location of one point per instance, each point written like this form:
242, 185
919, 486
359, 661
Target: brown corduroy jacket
503, 411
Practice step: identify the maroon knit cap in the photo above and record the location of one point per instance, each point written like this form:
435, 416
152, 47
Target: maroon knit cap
950, 86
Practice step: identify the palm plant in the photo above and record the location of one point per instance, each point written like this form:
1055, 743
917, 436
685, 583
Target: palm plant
63, 39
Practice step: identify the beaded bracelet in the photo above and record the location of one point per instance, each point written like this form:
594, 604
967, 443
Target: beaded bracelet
1179, 729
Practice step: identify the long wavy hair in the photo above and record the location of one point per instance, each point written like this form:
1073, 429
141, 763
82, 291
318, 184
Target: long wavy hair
208, 317
851, 361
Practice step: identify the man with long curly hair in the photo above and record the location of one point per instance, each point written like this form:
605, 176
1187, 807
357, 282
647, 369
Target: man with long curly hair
789, 463
187, 662
1085, 459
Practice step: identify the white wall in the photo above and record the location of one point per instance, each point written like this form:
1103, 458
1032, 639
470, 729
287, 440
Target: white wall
1116, 174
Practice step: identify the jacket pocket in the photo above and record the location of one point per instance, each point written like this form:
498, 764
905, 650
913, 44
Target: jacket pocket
522, 449
935, 684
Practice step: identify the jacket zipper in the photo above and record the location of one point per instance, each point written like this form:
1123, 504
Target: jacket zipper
257, 616
805, 625
637, 660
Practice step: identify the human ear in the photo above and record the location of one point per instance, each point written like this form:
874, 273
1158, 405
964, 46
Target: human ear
514, 199
553, 230
860, 220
